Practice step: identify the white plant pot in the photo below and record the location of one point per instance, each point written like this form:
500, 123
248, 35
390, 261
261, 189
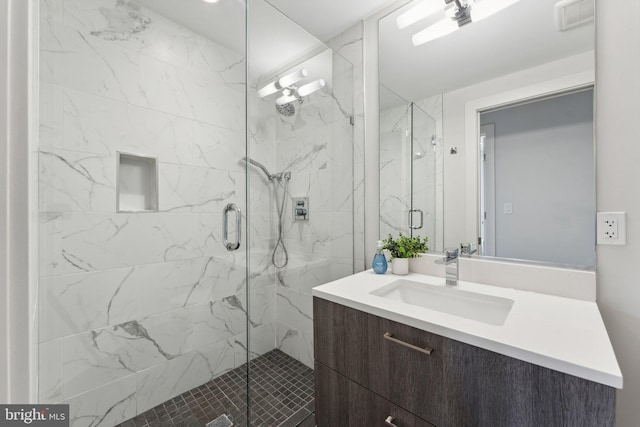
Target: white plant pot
400, 266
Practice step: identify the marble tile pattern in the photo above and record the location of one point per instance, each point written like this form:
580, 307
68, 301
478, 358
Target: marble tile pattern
349, 45
136, 308
317, 145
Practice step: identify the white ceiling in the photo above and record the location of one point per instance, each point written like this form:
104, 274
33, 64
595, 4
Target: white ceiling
519, 37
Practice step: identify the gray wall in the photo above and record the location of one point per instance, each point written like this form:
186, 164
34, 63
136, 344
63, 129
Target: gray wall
544, 167
617, 160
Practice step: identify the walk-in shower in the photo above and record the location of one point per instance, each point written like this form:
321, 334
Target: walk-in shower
145, 316
281, 178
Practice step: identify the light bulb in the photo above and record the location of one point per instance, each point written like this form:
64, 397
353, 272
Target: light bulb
418, 12
268, 89
291, 78
486, 8
311, 87
285, 99
439, 29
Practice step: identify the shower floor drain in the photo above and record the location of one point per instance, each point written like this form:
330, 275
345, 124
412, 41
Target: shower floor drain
221, 421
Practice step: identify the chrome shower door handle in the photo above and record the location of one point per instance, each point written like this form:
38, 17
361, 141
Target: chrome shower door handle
415, 227
231, 246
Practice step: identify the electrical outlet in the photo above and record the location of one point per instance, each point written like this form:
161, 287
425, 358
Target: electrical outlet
611, 228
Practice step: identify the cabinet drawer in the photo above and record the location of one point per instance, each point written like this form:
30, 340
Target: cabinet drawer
342, 402
401, 370
353, 343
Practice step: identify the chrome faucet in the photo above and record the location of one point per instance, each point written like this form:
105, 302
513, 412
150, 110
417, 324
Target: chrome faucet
467, 249
452, 264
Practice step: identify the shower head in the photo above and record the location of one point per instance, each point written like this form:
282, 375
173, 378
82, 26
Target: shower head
259, 165
286, 110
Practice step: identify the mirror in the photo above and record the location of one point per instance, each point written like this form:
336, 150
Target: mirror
510, 98
410, 169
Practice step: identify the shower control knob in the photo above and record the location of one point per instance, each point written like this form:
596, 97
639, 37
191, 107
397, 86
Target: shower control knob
300, 209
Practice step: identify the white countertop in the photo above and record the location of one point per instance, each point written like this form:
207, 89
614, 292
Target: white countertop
563, 334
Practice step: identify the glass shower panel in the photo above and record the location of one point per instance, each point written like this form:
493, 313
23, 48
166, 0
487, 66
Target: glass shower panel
301, 132
143, 306
424, 187
395, 163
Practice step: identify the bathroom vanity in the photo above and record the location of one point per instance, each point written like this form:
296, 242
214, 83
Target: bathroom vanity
383, 358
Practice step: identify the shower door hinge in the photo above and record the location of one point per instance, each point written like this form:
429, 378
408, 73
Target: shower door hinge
352, 120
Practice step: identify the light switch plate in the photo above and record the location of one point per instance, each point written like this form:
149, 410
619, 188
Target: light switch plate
611, 228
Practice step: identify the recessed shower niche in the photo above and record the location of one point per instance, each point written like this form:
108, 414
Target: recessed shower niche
137, 189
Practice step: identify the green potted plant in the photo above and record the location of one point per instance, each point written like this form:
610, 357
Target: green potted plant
402, 248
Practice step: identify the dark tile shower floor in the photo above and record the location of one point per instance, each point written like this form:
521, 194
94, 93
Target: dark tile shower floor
281, 395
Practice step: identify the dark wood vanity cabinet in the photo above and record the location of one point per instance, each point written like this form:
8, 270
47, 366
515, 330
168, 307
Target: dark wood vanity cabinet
363, 377
345, 403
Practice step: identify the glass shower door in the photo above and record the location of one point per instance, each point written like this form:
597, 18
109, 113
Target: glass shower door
301, 142
411, 161
142, 306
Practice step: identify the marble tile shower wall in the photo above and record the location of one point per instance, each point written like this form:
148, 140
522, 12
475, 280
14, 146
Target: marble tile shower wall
349, 45
317, 146
137, 307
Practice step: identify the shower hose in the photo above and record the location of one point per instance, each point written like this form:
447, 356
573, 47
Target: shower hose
280, 242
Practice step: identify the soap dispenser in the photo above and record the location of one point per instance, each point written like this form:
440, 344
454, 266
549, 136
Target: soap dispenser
379, 260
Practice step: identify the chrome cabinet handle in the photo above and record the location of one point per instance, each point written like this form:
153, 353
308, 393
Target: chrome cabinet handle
426, 350
415, 227
389, 421
231, 246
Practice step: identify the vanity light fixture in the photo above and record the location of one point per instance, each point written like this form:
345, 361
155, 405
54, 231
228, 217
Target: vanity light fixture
289, 91
211, 1
439, 29
283, 82
457, 14
309, 88
285, 99
292, 78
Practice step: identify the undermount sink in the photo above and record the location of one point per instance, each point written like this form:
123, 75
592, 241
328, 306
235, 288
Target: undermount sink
451, 300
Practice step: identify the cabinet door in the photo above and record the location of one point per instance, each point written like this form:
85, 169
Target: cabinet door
341, 402
492, 390
340, 339
405, 375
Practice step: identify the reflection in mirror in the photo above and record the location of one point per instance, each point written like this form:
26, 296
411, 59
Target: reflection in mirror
511, 58
542, 153
410, 167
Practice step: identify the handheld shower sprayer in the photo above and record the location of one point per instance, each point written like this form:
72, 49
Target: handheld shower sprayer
280, 205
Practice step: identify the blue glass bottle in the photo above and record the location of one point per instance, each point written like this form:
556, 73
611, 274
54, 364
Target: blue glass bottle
379, 260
